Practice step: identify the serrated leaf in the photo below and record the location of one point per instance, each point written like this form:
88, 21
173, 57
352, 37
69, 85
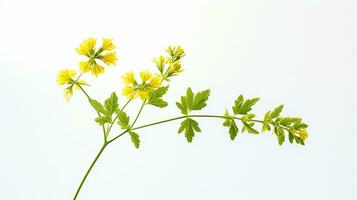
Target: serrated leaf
233, 128
266, 127
243, 107
189, 126
97, 106
183, 105
111, 104
200, 99
249, 128
103, 120
227, 121
156, 95
123, 120
279, 132
193, 102
134, 139
276, 112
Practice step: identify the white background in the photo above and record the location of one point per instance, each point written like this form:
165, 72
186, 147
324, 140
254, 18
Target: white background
301, 53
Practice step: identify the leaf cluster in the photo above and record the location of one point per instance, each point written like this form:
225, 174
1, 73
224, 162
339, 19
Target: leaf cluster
187, 104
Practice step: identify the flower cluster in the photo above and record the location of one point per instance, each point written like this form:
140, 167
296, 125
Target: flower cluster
105, 54
66, 77
134, 88
171, 65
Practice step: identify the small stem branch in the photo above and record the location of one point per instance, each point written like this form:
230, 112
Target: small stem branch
104, 132
132, 125
89, 170
137, 116
116, 117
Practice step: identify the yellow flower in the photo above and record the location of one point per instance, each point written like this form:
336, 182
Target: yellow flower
176, 66
84, 66
176, 51
91, 42
128, 91
179, 51
110, 58
156, 81
97, 69
145, 75
86, 46
303, 134
128, 78
143, 94
108, 44
160, 62
66, 76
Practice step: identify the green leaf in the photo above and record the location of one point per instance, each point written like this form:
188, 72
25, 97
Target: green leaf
111, 104
183, 105
103, 120
229, 122
233, 130
243, 107
193, 102
276, 112
279, 132
123, 120
291, 137
265, 127
97, 106
249, 127
156, 95
190, 126
200, 99
134, 139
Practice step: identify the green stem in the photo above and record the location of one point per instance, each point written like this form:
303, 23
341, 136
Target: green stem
89, 170
132, 125
193, 116
99, 115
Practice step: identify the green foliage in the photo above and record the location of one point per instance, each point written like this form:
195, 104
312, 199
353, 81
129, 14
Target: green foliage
111, 104
107, 110
134, 139
123, 120
102, 120
279, 132
249, 128
190, 126
243, 107
155, 97
193, 101
230, 122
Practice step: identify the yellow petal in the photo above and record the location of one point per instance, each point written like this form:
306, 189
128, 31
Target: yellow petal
176, 66
91, 42
128, 78
156, 81
65, 76
97, 69
84, 66
143, 94
110, 58
145, 75
108, 44
303, 134
128, 91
